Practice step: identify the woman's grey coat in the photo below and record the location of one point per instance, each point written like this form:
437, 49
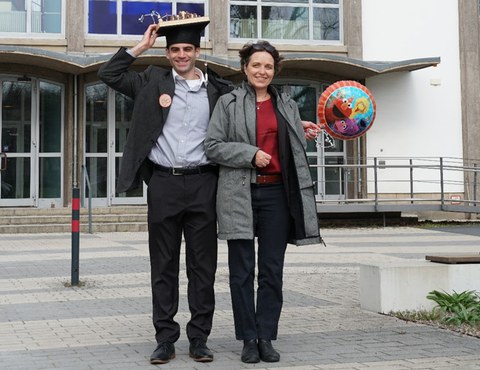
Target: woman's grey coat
231, 142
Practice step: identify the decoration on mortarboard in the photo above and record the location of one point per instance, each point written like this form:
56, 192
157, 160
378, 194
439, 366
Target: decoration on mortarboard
183, 27
346, 110
182, 16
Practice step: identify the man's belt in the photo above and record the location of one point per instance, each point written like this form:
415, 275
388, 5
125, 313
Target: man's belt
268, 179
180, 171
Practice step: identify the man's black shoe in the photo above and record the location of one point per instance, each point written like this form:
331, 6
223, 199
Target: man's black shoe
199, 351
267, 353
163, 353
250, 352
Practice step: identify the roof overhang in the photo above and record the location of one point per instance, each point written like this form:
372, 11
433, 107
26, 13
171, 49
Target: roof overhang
308, 63
350, 68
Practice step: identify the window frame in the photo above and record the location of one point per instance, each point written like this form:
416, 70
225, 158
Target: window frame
309, 4
38, 35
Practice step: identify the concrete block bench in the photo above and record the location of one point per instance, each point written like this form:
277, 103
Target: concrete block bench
404, 285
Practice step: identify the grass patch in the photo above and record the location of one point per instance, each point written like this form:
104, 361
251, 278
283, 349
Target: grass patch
458, 312
81, 284
428, 224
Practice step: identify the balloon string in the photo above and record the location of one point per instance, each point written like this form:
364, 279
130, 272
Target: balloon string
328, 141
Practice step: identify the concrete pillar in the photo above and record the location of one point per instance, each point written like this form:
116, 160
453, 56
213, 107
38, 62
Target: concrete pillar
74, 23
469, 33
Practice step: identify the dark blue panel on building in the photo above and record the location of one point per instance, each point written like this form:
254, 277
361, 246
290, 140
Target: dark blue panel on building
102, 17
132, 11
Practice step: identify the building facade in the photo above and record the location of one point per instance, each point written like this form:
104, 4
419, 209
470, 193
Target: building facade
63, 128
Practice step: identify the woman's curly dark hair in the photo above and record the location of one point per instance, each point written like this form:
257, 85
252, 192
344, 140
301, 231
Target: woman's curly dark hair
250, 48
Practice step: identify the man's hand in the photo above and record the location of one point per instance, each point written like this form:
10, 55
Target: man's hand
311, 130
148, 40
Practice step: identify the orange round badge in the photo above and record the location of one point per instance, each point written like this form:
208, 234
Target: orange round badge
165, 100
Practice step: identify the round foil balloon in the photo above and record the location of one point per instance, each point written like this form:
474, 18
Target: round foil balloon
346, 110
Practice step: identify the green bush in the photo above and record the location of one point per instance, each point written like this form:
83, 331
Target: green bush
457, 308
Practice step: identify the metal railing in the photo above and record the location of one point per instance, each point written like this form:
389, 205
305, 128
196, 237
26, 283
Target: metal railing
86, 181
402, 184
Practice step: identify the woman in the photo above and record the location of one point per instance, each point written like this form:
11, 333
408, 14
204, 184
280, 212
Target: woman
264, 190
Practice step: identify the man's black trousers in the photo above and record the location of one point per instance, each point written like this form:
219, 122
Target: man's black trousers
182, 204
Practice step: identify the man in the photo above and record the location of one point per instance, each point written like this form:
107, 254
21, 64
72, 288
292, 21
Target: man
164, 148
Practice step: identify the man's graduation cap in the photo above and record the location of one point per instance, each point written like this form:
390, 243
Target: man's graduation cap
184, 28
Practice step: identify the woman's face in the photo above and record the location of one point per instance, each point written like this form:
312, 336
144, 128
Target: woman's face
260, 70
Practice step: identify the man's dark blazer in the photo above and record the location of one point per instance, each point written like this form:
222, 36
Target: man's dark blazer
148, 116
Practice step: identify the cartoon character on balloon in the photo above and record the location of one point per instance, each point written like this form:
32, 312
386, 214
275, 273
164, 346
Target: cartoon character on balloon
346, 110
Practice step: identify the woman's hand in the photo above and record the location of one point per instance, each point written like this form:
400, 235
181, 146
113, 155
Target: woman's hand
262, 159
311, 130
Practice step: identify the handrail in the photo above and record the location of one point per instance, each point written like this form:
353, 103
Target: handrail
3, 161
87, 182
441, 184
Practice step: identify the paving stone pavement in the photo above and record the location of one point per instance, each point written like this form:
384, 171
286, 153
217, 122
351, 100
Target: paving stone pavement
106, 323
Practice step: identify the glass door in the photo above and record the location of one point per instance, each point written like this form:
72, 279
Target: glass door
119, 131
334, 184
108, 116
96, 144
328, 181
31, 137
16, 141
49, 145
334, 175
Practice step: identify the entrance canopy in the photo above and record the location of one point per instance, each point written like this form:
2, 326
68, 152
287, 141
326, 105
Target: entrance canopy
299, 64
354, 68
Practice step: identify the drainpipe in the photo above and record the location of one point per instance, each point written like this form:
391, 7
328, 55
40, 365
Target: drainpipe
75, 128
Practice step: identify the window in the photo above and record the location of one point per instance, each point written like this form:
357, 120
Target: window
121, 17
292, 20
31, 16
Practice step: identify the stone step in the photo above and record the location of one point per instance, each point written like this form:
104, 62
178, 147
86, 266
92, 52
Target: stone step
66, 219
52, 220
26, 211
65, 228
